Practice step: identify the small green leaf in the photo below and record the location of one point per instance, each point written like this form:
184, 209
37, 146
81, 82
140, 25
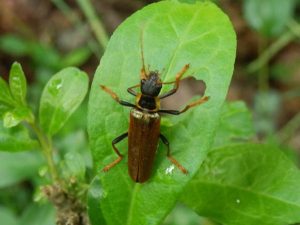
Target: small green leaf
3, 109
14, 117
17, 83
5, 95
267, 105
61, 97
16, 167
235, 125
14, 45
16, 139
174, 34
246, 184
269, 17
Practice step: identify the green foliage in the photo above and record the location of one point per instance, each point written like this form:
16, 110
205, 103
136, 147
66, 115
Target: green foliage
5, 95
235, 125
14, 45
236, 183
37, 214
198, 34
42, 55
266, 111
61, 97
13, 117
246, 184
269, 17
15, 167
13, 109
7, 216
194, 1
182, 215
73, 166
64, 92
17, 83
95, 195
15, 139
76, 57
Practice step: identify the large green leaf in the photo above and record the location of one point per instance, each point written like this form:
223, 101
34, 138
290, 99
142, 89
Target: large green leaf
17, 83
7, 216
246, 184
269, 17
61, 97
94, 210
15, 167
182, 215
236, 124
174, 34
16, 139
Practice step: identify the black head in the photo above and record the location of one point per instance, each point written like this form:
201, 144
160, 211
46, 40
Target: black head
151, 85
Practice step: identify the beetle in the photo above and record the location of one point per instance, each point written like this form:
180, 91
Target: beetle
144, 126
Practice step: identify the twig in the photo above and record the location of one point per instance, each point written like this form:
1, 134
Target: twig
289, 129
74, 19
270, 52
263, 78
47, 150
280, 43
95, 23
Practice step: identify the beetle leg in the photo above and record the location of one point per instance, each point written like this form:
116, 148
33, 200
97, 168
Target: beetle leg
143, 74
115, 141
174, 161
176, 85
115, 97
131, 91
193, 104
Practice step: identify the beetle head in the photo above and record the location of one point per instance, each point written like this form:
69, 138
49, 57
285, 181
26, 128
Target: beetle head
151, 85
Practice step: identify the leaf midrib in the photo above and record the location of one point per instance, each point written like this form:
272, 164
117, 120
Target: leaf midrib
137, 187
59, 106
180, 39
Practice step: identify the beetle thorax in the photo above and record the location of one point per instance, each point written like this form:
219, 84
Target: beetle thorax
146, 116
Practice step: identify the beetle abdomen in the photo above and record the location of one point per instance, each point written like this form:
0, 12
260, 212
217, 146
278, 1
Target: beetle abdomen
143, 136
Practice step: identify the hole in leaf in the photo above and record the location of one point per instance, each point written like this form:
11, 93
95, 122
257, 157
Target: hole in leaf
188, 88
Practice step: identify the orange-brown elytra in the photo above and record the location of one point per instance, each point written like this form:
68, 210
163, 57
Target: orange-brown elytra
144, 126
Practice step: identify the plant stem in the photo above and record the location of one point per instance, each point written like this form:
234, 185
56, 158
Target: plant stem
269, 53
263, 79
47, 150
75, 20
294, 27
95, 23
289, 129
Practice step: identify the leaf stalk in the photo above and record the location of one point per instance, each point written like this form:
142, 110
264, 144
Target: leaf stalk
47, 149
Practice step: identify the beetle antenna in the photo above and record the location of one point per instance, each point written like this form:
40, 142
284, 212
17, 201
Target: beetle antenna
143, 70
